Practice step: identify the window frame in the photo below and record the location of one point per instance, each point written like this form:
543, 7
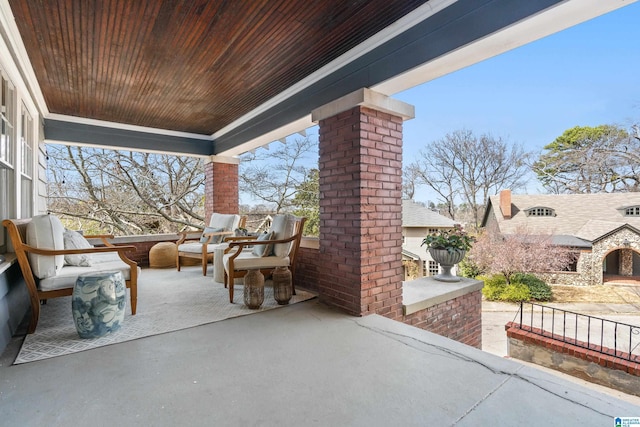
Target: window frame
540, 212
8, 153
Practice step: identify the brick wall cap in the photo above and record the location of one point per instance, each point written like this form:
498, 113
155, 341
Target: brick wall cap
426, 292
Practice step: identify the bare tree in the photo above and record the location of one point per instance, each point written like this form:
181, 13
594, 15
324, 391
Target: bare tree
274, 177
409, 181
521, 252
127, 192
462, 168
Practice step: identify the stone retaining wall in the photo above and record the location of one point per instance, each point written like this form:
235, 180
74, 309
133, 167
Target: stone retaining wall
615, 372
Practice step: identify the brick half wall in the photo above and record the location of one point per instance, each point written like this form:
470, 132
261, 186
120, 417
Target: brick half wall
459, 318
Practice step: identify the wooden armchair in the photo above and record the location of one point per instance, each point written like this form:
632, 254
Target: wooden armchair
57, 279
278, 249
201, 247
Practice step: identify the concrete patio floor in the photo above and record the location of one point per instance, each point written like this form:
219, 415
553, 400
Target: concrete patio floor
306, 364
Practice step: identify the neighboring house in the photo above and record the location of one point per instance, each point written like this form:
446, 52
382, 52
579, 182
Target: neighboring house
603, 228
417, 222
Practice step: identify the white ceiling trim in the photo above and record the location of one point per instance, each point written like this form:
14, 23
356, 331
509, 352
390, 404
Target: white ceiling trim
124, 126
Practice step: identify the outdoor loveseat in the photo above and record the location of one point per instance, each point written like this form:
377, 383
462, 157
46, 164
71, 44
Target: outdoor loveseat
51, 258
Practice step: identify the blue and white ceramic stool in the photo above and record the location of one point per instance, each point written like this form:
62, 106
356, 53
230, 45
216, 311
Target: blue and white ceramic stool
98, 303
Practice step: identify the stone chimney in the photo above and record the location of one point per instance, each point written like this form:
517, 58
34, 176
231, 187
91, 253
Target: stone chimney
505, 203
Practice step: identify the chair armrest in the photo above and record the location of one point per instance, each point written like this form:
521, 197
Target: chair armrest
241, 245
102, 237
184, 236
209, 236
240, 238
119, 249
52, 252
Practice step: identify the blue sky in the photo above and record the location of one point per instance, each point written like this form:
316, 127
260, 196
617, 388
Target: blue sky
586, 75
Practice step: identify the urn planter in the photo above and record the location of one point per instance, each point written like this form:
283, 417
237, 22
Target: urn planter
447, 260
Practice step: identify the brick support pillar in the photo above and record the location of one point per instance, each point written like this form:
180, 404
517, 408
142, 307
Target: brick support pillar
360, 203
221, 186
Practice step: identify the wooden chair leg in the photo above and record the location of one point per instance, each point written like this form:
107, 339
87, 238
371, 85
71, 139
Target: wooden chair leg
204, 265
231, 288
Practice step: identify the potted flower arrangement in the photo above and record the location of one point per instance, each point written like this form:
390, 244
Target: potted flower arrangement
448, 247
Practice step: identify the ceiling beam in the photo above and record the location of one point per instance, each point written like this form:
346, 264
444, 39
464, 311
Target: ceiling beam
74, 133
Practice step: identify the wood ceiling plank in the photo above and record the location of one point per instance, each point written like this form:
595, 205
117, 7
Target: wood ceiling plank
191, 66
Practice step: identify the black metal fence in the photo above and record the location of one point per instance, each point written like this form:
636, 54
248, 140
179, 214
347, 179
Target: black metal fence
594, 333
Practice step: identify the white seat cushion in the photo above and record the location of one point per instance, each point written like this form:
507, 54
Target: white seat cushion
247, 260
45, 232
66, 278
195, 248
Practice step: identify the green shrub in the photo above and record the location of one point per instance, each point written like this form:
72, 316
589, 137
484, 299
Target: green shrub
467, 268
493, 286
515, 292
538, 289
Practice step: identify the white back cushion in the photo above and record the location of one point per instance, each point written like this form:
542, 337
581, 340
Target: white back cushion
282, 228
45, 232
226, 222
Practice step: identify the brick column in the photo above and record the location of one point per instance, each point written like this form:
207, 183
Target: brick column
360, 203
221, 186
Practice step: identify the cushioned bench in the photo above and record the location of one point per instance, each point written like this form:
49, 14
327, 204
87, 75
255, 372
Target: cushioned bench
51, 259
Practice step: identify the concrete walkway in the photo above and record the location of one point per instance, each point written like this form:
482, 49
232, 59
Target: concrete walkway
306, 364
494, 339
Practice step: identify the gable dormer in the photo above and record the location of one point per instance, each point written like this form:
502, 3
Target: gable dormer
630, 210
540, 211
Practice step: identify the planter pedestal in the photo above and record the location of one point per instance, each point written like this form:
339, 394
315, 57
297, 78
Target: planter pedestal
446, 260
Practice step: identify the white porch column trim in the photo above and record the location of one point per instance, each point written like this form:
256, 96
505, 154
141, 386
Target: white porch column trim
367, 98
223, 159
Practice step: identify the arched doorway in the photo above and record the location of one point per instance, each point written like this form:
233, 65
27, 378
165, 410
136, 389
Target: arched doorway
621, 265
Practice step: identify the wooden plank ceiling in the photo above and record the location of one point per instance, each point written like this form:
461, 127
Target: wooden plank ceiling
192, 66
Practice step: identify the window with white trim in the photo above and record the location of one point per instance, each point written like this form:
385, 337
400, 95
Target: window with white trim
7, 153
632, 211
430, 268
26, 170
540, 211
434, 268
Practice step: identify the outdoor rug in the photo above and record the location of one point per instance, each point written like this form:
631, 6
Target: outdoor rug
168, 301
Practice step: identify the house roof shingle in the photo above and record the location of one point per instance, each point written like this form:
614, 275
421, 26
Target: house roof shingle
416, 215
584, 216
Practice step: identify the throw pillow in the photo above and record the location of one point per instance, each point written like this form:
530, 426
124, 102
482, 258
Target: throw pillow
241, 232
74, 240
214, 239
263, 250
